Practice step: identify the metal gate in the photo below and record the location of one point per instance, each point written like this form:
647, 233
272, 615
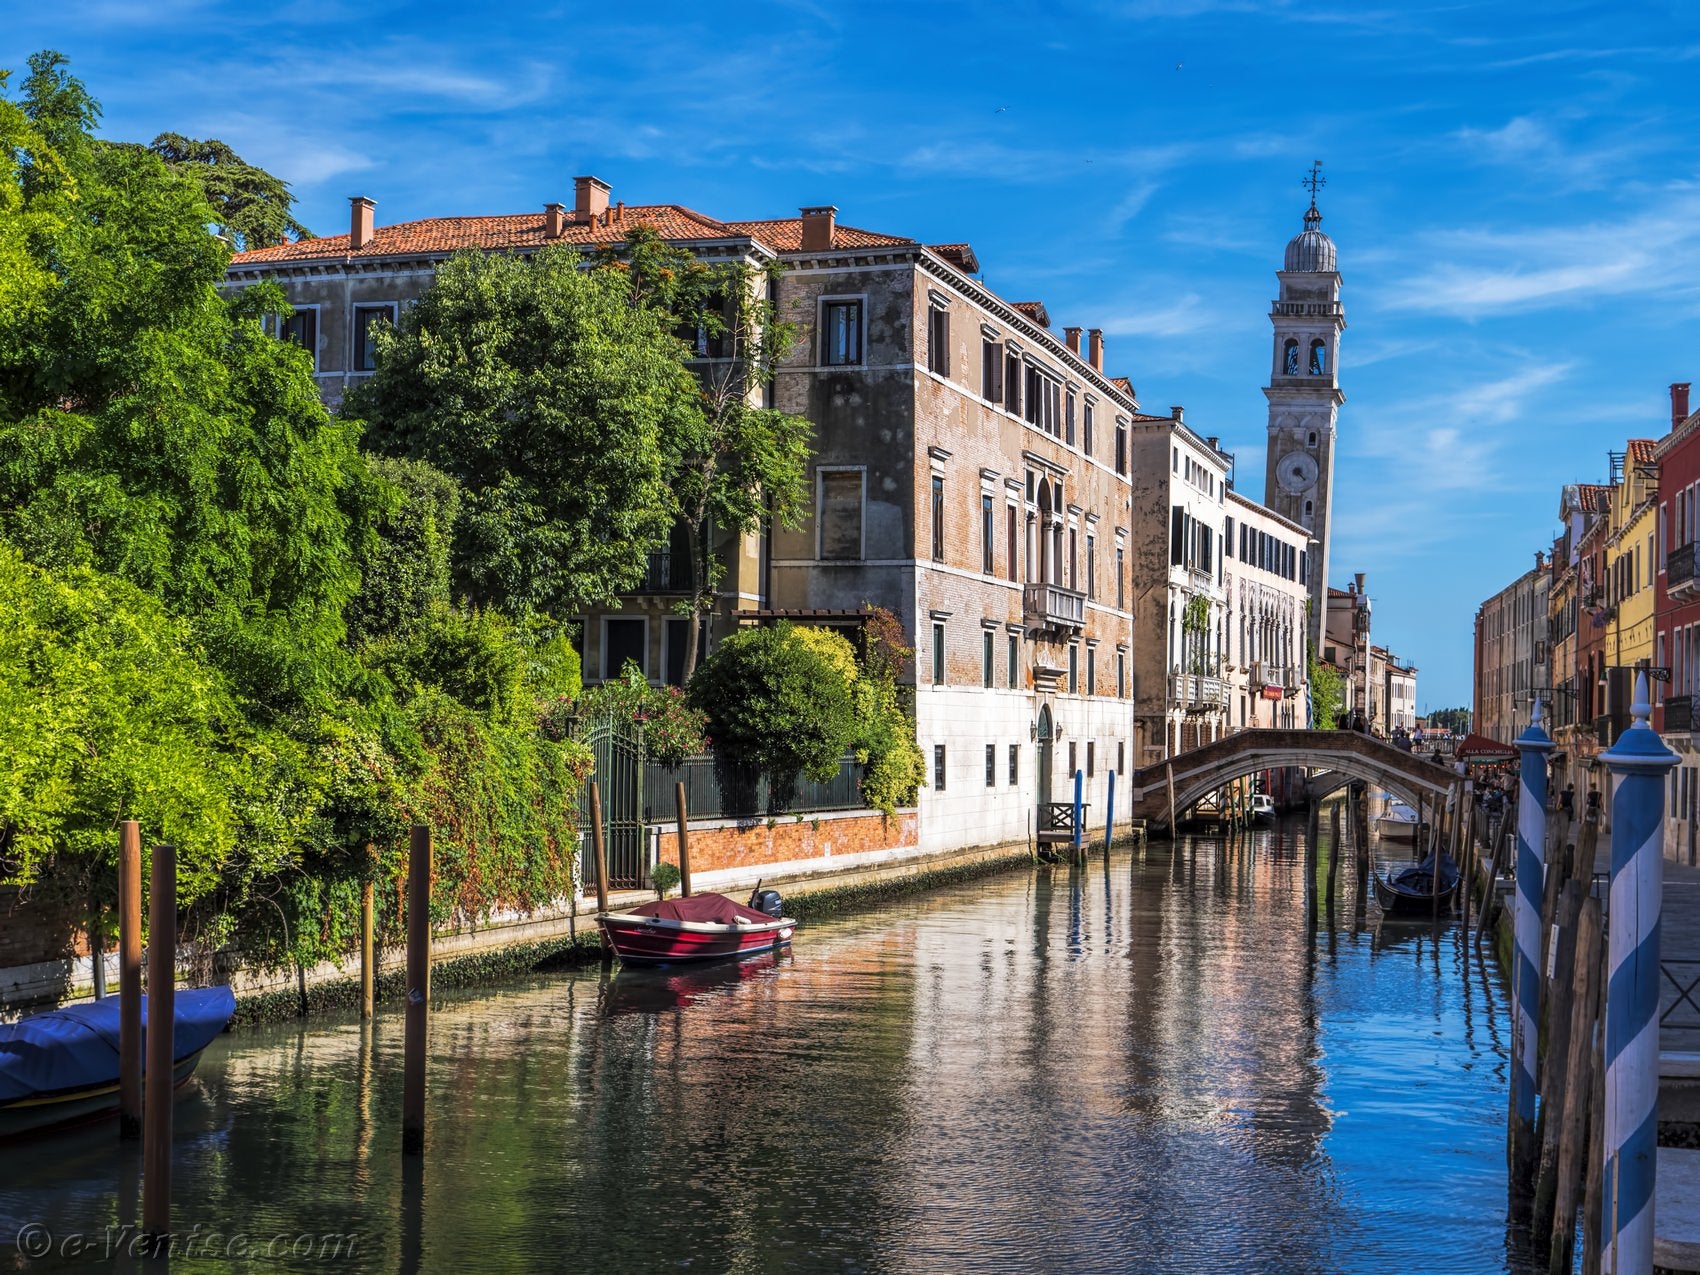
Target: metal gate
618, 749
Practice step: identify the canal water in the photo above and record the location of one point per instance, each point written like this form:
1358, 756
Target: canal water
1180, 1060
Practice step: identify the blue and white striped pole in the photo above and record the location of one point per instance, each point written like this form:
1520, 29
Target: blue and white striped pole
1638, 763
1534, 744
1079, 809
1110, 814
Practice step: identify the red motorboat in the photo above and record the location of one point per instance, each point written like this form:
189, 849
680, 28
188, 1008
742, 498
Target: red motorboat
701, 927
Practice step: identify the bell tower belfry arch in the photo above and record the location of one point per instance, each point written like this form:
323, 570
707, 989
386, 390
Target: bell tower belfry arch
1304, 395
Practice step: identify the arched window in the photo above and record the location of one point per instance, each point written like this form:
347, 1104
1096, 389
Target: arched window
1307, 509
1318, 358
1312, 441
1290, 360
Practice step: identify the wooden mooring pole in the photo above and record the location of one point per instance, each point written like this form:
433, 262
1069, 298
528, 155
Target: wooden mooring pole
684, 842
129, 979
161, 1017
601, 853
368, 955
418, 991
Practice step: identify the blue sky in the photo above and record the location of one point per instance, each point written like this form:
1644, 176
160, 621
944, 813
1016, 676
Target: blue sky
1514, 190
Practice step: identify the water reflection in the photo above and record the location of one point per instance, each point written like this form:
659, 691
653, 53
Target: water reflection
1202, 1056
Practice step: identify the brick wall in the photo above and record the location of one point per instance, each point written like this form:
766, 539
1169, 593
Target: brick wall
718, 844
35, 929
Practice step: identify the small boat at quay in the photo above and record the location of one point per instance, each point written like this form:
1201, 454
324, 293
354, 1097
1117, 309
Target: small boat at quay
61, 1067
1397, 823
697, 927
1414, 892
1262, 808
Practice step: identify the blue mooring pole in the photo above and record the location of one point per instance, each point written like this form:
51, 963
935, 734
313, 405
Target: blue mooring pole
1110, 814
1079, 812
1534, 744
1638, 762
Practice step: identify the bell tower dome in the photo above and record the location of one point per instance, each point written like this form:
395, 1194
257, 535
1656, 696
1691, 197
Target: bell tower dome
1304, 395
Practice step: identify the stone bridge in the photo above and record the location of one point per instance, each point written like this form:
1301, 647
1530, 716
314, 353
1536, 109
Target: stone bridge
1345, 754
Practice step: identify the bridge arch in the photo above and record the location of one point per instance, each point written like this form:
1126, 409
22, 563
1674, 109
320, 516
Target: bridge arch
1200, 771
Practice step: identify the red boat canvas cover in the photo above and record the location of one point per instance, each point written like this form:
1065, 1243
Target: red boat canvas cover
707, 909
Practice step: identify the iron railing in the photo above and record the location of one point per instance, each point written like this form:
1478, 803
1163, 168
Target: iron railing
718, 791
1683, 1012
667, 572
1679, 713
1679, 571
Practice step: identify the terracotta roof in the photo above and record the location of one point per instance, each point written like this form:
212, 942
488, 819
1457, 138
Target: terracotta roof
785, 234
521, 230
1593, 496
959, 255
1124, 385
1641, 450
1034, 310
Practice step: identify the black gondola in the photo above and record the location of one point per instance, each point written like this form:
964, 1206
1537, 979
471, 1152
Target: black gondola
1412, 892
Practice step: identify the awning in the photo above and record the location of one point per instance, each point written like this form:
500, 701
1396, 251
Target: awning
1481, 748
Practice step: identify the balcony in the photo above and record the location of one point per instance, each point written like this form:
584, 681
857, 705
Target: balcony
667, 573
1679, 572
1051, 607
1198, 693
1679, 714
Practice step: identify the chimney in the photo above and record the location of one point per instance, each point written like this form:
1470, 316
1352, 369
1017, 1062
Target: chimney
1540, 559
1072, 336
590, 199
1678, 403
359, 222
819, 223
1211, 443
1178, 414
554, 220
1095, 348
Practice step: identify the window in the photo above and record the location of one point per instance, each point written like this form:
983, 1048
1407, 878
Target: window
1012, 566
1312, 440
1012, 381
1074, 669
938, 517
840, 504
938, 654
624, 640
1073, 764
1121, 578
1290, 358
1318, 358
1091, 565
1086, 429
1073, 582
1091, 670
1068, 420
301, 327
986, 660
938, 340
1044, 403
841, 333
1014, 671
988, 532
991, 370
1091, 756
367, 318
991, 765
676, 633
1014, 765
938, 767
1121, 449
1120, 769
1121, 675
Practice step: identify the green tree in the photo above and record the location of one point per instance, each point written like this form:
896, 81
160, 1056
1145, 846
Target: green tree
735, 466
547, 396
252, 206
775, 705
1327, 693
1456, 720
152, 430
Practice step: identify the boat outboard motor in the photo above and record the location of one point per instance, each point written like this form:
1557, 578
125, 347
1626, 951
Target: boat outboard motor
768, 901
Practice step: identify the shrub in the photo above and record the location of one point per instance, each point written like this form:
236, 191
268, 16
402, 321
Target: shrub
664, 876
672, 729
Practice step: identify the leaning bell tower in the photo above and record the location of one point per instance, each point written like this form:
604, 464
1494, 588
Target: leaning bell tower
1304, 395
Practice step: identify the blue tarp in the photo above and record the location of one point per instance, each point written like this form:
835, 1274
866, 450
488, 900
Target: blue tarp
77, 1047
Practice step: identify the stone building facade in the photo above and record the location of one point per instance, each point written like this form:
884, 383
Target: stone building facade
973, 470
1512, 649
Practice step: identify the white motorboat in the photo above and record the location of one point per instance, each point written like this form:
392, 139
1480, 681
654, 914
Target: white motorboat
1397, 823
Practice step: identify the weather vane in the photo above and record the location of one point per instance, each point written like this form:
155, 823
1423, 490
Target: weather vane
1315, 181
